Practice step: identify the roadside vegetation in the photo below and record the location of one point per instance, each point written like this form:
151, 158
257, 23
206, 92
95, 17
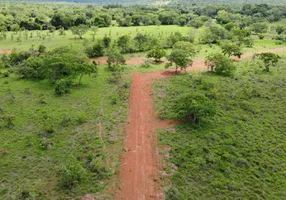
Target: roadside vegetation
231, 142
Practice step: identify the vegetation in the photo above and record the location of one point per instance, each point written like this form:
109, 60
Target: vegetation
220, 64
62, 115
238, 153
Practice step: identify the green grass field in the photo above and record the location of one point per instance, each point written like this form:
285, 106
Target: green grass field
238, 154
49, 132
54, 40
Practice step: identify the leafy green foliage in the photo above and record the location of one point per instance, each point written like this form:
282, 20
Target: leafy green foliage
96, 50
62, 87
71, 175
192, 107
214, 34
231, 49
157, 54
115, 58
220, 64
182, 55
260, 28
280, 29
269, 59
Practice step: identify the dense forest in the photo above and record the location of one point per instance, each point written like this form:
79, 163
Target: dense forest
51, 17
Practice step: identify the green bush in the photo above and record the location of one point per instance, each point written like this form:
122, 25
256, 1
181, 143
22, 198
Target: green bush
194, 107
6, 74
71, 175
97, 166
220, 64
63, 87
145, 65
42, 48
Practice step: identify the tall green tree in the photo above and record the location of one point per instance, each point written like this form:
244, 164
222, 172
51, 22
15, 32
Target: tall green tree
79, 30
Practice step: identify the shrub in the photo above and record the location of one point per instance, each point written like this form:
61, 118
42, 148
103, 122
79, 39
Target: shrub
157, 54
63, 87
97, 166
269, 59
42, 48
261, 36
8, 121
220, 64
96, 50
71, 175
145, 65
6, 74
193, 107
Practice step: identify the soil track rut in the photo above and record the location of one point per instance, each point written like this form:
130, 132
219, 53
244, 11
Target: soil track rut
139, 170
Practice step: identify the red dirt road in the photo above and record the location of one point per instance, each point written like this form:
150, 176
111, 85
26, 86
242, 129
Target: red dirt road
139, 174
139, 170
7, 51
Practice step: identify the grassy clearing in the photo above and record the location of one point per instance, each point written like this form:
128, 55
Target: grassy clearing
238, 154
48, 132
54, 40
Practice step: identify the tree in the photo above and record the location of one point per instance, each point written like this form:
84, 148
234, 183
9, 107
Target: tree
197, 22
94, 30
214, 34
174, 38
187, 47
193, 107
269, 59
79, 30
141, 41
180, 58
260, 28
239, 36
103, 20
157, 54
123, 42
280, 29
86, 69
41, 48
229, 26
220, 64
182, 54
115, 58
95, 50
231, 49
106, 41
32, 68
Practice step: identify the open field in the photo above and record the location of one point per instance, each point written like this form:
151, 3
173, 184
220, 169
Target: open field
55, 40
239, 152
49, 133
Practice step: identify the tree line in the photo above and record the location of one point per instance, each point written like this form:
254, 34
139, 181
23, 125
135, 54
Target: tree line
45, 16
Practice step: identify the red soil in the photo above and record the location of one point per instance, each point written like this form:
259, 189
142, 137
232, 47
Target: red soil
7, 51
132, 61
